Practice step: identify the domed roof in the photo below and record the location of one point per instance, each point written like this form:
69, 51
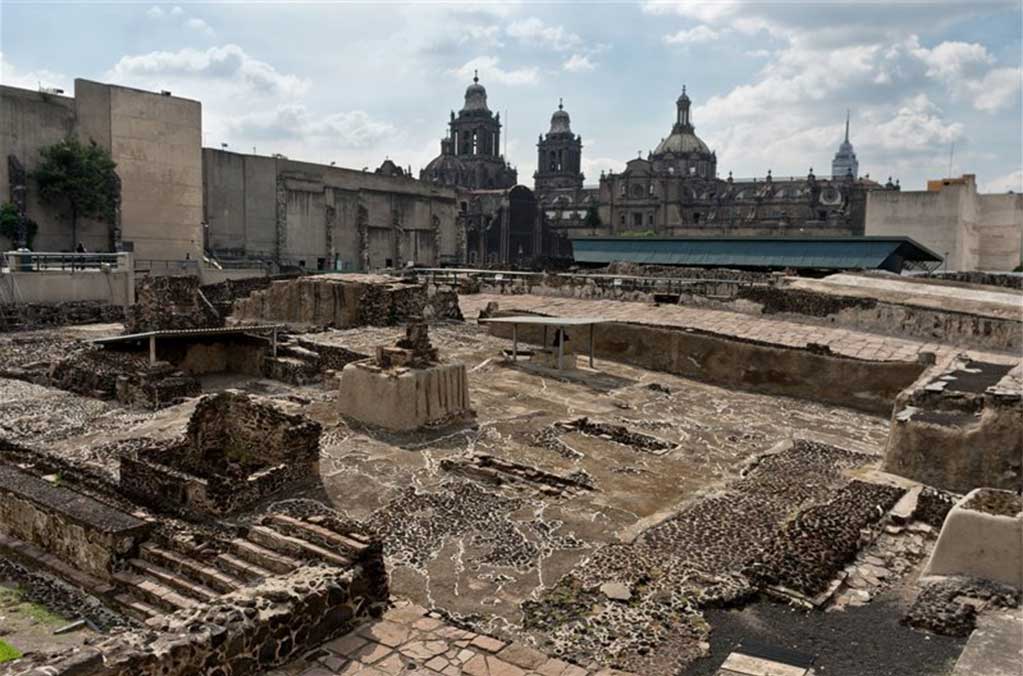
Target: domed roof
681, 141
475, 95
560, 122
444, 164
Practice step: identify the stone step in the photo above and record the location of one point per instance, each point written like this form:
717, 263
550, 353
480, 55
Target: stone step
274, 561
298, 352
137, 608
318, 534
186, 565
153, 592
171, 579
293, 546
241, 568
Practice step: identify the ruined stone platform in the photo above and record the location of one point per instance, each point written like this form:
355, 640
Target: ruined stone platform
403, 399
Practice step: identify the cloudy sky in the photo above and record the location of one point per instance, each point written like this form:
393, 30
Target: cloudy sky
929, 84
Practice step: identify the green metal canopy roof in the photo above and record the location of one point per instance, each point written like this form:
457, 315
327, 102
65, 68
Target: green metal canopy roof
823, 253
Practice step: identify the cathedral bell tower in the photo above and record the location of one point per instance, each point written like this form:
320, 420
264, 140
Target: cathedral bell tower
559, 155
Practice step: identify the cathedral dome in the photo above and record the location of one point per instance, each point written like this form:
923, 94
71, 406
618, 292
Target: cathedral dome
560, 122
681, 141
475, 95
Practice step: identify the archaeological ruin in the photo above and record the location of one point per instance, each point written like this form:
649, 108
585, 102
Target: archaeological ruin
632, 471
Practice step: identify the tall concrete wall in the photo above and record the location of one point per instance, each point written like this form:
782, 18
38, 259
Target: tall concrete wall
973, 231
155, 141
315, 215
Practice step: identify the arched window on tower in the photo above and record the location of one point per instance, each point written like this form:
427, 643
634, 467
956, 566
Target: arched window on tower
466, 143
475, 143
553, 161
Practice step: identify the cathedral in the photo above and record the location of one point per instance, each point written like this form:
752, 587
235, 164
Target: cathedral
674, 191
500, 219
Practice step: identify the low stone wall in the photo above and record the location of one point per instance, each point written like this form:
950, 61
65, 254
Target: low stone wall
814, 374
1005, 280
77, 529
958, 428
249, 631
29, 316
238, 450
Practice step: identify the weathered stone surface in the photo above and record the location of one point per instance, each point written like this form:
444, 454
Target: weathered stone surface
168, 302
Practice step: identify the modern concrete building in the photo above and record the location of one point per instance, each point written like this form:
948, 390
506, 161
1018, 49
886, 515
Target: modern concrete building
155, 139
321, 217
972, 231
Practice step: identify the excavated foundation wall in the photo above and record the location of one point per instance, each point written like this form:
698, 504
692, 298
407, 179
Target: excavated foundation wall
29, 316
238, 450
811, 374
764, 298
74, 527
246, 632
345, 301
957, 436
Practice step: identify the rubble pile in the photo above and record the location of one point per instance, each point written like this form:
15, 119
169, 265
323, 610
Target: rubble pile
619, 434
170, 303
491, 470
949, 605
813, 547
650, 622
417, 524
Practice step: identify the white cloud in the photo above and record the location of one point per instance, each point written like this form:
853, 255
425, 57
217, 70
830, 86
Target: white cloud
200, 26
229, 64
1012, 181
489, 69
997, 90
155, 12
533, 31
694, 36
354, 129
176, 11
916, 126
578, 63
32, 79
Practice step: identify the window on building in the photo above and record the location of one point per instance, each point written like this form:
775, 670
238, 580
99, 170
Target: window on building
621, 189
651, 190
692, 171
696, 217
621, 219
465, 207
650, 219
637, 219
475, 144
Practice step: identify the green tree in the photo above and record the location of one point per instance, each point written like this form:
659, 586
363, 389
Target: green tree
593, 218
82, 177
9, 225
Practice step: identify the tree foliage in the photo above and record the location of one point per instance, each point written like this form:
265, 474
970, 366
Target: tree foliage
80, 176
9, 225
592, 218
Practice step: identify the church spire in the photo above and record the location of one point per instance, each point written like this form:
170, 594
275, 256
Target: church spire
475, 75
846, 125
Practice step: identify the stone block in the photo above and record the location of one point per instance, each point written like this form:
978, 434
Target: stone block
981, 544
403, 399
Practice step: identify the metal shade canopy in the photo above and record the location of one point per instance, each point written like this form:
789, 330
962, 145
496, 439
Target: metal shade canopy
536, 320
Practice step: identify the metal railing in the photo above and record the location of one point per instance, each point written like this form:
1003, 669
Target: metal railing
43, 261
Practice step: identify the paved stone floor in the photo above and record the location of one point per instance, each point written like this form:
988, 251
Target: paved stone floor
847, 342
409, 640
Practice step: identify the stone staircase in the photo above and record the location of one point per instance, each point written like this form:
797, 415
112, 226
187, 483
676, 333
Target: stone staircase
162, 580
294, 363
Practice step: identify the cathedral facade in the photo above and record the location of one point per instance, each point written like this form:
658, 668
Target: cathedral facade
499, 219
676, 191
